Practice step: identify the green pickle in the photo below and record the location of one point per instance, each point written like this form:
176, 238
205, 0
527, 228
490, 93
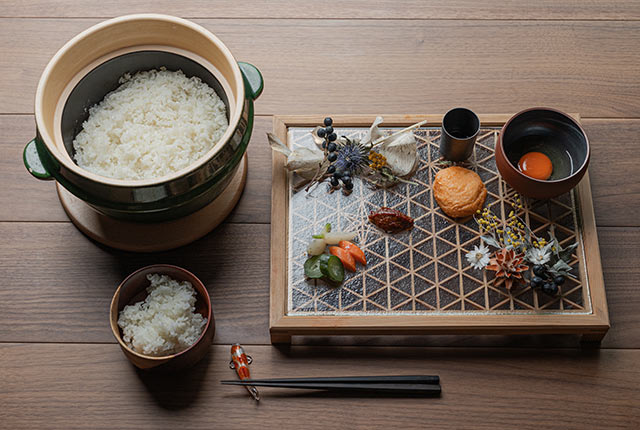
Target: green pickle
324, 265
332, 267
312, 267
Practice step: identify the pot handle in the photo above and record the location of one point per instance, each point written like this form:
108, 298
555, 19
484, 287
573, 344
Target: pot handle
33, 163
252, 79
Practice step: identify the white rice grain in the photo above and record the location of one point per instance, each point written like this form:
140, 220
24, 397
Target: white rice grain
155, 123
165, 322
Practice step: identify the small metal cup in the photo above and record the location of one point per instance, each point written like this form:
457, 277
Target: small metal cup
460, 128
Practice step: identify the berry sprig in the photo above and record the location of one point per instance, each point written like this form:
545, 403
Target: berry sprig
546, 281
331, 150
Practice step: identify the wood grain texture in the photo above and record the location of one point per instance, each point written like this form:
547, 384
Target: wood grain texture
67, 282
614, 170
616, 193
45, 385
56, 285
620, 248
279, 232
414, 66
352, 9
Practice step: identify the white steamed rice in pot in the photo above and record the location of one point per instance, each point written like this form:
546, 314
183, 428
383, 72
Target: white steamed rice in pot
165, 322
155, 123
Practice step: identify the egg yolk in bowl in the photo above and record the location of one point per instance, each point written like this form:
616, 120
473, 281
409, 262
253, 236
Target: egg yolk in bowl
536, 165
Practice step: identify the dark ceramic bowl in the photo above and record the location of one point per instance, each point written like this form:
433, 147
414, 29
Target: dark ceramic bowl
85, 69
553, 133
133, 290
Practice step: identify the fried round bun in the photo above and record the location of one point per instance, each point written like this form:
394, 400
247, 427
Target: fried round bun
459, 191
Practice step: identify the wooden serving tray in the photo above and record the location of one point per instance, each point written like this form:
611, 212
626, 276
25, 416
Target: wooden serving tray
418, 282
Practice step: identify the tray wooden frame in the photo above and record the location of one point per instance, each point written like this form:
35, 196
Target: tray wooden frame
592, 326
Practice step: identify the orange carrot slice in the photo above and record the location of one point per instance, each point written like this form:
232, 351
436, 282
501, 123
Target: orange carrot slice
347, 259
354, 250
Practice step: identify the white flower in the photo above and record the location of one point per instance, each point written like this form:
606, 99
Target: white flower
478, 257
539, 255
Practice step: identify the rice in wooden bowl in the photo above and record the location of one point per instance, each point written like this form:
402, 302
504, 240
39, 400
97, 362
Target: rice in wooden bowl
161, 316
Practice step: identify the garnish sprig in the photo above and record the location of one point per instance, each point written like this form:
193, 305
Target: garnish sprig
550, 259
512, 233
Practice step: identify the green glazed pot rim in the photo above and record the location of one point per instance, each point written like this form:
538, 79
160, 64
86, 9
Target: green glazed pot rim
64, 158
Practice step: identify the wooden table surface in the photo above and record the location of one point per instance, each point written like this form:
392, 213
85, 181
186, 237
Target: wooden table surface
59, 364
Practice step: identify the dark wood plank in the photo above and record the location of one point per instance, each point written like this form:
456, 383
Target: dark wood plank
620, 250
93, 386
23, 197
57, 286
614, 169
413, 66
255, 204
380, 9
616, 193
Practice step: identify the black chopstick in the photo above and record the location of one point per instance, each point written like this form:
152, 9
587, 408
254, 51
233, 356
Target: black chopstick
396, 379
372, 387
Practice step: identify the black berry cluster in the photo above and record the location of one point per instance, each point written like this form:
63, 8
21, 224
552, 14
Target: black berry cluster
545, 281
331, 148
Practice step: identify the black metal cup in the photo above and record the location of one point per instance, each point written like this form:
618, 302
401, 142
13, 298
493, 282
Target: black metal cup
460, 128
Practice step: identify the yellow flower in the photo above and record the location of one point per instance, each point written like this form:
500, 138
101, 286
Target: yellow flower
378, 161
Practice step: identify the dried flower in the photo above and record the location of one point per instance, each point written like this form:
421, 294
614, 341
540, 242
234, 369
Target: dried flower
352, 157
303, 161
513, 232
539, 255
340, 159
478, 257
378, 161
400, 149
508, 267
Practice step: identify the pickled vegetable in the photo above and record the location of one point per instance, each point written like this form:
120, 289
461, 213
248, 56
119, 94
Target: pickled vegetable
332, 267
334, 237
347, 259
354, 250
316, 246
312, 267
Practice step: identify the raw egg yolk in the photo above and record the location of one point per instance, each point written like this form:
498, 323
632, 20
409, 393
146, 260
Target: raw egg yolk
536, 165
